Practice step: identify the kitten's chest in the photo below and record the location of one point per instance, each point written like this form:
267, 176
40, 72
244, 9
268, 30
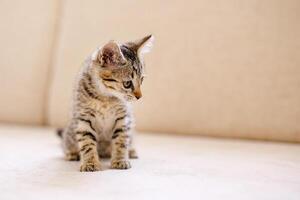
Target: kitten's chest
105, 119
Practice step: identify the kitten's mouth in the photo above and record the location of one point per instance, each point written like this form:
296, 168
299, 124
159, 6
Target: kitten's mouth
130, 98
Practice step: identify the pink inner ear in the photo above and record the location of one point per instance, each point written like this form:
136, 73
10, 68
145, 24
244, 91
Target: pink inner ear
111, 55
108, 57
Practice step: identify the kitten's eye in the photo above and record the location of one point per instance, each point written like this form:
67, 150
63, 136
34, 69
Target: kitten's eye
127, 84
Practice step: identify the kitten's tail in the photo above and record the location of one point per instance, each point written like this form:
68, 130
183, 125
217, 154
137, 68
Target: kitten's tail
59, 132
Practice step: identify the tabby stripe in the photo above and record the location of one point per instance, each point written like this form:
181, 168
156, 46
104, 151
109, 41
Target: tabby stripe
122, 145
86, 133
88, 92
88, 150
89, 111
116, 133
120, 111
131, 56
119, 118
85, 146
109, 79
89, 122
87, 114
89, 78
111, 87
118, 130
81, 139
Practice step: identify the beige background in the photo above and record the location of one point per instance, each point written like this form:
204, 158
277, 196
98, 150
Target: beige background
219, 68
227, 68
27, 35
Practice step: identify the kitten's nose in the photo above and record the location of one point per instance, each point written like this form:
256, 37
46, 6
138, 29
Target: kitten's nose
137, 93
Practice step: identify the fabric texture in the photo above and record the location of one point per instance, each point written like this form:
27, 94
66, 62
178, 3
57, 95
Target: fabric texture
27, 35
179, 167
218, 68
225, 69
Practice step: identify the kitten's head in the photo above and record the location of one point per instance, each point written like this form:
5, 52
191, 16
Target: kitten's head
121, 67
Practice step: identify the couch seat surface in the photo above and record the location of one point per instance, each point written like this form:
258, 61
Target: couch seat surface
170, 167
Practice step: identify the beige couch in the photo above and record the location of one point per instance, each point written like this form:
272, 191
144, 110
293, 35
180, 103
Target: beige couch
218, 68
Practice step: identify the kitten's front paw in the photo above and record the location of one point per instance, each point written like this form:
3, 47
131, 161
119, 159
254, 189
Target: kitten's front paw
120, 164
90, 167
133, 154
71, 156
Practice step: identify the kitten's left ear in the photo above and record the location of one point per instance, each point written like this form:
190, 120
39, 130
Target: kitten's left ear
110, 55
143, 45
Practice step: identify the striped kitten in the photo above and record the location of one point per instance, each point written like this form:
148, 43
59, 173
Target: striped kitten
101, 121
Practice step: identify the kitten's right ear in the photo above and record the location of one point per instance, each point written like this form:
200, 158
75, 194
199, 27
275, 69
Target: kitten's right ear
143, 45
110, 55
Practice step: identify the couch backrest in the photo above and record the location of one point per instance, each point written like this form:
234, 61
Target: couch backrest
218, 68
221, 68
27, 36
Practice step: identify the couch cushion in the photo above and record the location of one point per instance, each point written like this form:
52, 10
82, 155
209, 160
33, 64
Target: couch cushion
179, 167
27, 33
221, 68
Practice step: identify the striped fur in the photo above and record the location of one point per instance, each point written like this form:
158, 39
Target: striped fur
101, 122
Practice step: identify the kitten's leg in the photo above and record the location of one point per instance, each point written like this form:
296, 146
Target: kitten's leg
104, 149
86, 137
69, 143
133, 154
120, 149
132, 151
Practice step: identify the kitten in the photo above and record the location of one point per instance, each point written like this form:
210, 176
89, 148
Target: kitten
101, 121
